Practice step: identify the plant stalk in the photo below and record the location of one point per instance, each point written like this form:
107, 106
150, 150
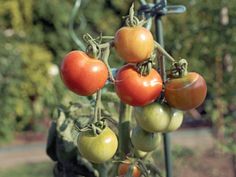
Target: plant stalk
106, 52
97, 109
102, 170
124, 129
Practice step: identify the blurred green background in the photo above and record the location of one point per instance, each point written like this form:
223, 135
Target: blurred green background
34, 37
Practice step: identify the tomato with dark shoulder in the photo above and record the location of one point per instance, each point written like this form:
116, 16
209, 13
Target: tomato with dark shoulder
135, 89
124, 168
134, 44
97, 148
82, 74
187, 92
143, 140
157, 117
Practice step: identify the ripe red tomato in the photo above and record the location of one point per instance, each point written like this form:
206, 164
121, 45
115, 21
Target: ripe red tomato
187, 92
137, 90
100, 148
83, 75
134, 44
124, 168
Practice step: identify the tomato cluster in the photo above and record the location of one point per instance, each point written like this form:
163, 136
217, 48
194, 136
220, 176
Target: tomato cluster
158, 105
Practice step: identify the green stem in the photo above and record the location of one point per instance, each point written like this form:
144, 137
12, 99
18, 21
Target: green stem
163, 51
102, 169
97, 109
108, 37
106, 52
131, 13
124, 129
131, 19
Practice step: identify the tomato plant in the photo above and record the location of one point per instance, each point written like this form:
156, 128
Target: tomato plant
98, 148
134, 44
82, 74
143, 140
186, 92
136, 84
124, 168
158, 117
135, 89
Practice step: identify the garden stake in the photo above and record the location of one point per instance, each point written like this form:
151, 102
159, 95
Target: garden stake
166, 136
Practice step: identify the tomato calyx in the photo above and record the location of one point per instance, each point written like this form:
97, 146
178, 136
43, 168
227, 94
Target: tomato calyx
131, 20
145, 67
179, 69
98, 50
96, 128
93, 50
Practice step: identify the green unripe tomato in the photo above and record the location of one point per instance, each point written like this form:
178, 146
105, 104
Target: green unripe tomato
100, 148
176, 120
143, 140
158, 117
140, 154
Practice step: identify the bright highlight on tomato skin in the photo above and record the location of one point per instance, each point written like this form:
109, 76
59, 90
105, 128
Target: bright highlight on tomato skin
137, 90
83, 75
187, 92
134, 44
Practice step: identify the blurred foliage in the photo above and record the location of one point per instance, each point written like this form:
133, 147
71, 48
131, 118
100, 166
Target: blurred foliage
19, 84
34, 38
204, 35
201, 35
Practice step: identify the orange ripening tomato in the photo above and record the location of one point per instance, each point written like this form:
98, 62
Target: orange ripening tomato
82, 74
187, 92
124, 168
134, 44
137, 90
